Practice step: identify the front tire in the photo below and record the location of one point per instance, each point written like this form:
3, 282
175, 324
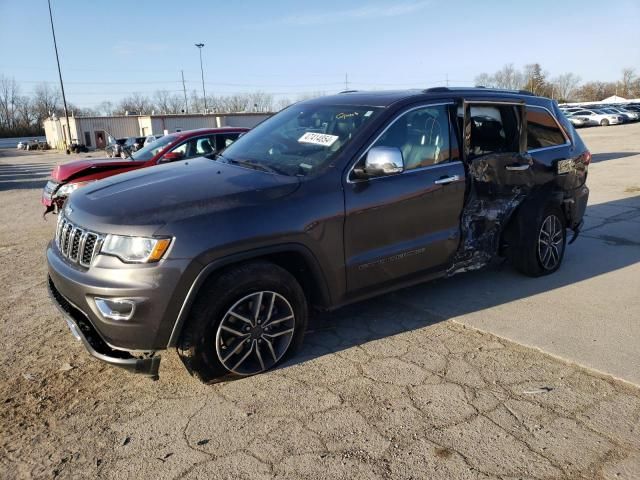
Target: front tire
539, 250
604, 122
245, 321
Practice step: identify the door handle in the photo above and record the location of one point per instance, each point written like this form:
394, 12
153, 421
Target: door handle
518, 168
446, 180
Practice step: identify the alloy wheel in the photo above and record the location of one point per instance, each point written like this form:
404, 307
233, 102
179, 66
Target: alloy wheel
255, 333
550, 242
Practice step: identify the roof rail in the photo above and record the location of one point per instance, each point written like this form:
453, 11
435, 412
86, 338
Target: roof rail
347, 91
458, 89
438, 89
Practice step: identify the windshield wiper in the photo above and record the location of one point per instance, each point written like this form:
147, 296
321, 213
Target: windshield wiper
251, 164
127, 152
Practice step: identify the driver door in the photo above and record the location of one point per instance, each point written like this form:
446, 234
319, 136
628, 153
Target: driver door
406, 223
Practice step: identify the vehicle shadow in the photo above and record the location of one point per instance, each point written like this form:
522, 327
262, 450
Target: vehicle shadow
603, 157
427, 304
24, 175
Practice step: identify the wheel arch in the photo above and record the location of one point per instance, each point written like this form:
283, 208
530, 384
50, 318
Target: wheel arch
293, 257
535, 201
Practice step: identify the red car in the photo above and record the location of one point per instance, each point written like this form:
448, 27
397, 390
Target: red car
67, 177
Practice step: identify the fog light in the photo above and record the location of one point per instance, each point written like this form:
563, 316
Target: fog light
115, 308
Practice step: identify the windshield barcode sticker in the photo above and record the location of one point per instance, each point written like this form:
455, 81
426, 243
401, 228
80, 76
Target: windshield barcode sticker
318, 139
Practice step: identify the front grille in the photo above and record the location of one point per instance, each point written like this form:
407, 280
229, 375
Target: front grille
76, 244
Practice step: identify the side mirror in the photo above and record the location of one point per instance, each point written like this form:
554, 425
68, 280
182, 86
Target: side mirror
171, 157
383, 161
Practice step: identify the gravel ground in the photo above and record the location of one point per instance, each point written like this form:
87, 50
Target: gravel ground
382, 389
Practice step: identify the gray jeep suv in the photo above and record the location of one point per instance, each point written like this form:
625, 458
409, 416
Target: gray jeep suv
328, 202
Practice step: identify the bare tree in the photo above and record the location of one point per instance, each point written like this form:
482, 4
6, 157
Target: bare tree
46, 101
508, 77
25, 112
161, 100
106, 108
136, 103
260, 101
175, 103
484, 80
628, 83
565, 86
595, 91
235, 103
9, 98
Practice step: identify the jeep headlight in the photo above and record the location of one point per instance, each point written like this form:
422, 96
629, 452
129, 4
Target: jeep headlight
135, 249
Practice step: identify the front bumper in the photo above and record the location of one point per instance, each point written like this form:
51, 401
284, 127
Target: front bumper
83, 330
158, 291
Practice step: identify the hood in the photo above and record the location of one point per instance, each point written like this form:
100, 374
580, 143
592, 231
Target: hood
153, 197
70, 170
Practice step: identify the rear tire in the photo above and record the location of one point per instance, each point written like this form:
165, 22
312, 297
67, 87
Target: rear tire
539, 242
245, 321
604, 122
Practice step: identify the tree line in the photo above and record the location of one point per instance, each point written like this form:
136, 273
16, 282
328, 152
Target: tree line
23, 115
564, 88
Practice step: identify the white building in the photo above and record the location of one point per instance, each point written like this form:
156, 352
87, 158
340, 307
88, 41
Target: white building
94, 132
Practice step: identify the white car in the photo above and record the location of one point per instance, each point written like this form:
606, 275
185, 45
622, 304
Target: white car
577, 121
593, 117
633, 116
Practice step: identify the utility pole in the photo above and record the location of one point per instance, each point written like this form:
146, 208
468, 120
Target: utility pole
447, 79
64, 100
204, 94
184, 89
346, 81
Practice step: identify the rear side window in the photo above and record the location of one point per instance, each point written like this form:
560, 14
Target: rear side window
542, 129
493, 129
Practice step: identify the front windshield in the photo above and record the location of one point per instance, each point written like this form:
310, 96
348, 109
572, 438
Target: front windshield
151, 150
301, 140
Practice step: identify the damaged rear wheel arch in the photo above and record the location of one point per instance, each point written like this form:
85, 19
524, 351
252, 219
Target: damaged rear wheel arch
521, 235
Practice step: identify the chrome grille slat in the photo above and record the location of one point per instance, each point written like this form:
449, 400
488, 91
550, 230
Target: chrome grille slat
65, 238
74, 249
88, 250
76, 244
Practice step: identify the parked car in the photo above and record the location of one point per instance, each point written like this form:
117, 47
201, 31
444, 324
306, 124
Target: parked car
68, 177
78, 148
628, 115
132, 144
114, 148
328, 202
150, 139
22, 145
595, 117
577, 122
138, 143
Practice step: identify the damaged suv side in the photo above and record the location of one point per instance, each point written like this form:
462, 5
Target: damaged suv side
331, 201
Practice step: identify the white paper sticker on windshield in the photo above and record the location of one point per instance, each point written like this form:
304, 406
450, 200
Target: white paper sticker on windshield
318, 139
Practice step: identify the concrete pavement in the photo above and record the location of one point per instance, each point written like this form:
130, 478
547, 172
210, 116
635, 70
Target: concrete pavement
589, 311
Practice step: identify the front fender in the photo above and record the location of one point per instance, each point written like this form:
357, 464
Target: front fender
209, 269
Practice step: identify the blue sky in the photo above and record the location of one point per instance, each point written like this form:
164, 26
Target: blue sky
112, 48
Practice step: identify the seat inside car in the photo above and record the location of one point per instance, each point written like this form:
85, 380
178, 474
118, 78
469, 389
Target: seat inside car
424, 142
